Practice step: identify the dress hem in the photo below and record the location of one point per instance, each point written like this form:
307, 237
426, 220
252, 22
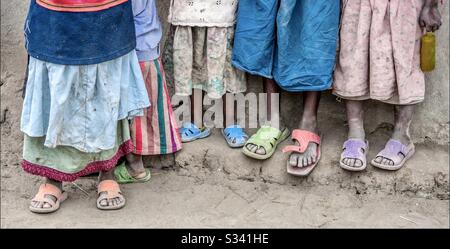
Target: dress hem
93, 167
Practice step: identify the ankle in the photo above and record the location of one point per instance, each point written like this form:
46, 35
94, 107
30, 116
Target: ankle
356, 130
356, 135
309, 124
136, 167
54, 183
401, 136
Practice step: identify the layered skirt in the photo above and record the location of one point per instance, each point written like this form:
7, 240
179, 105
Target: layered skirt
75, 118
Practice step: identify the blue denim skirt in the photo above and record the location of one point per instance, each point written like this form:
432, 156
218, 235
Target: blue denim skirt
79, 38
291, 41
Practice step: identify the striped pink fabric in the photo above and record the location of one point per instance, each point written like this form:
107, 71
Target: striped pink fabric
156, 133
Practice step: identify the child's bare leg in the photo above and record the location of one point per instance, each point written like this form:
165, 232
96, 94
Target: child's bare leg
197, 107
44, 205
135, 166
109, 175
403, 118
270, 86
229, 111
308, 122
355, 120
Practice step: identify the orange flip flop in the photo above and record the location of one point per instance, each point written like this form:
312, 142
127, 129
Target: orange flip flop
303, 138
112, 190
42, 196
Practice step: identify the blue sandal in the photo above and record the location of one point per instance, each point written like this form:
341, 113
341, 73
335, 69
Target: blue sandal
235, 136
190, 132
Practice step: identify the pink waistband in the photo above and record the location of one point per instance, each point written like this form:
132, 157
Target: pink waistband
79, 5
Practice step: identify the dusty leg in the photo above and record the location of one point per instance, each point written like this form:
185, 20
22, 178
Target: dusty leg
229, 111
270, 86
403, 118
197, 107
308, 122
135, 166
355, 119
44, 205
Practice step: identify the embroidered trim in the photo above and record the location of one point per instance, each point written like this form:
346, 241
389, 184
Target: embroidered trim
93, 167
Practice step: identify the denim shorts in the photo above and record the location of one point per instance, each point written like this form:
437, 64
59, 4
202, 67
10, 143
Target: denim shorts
291, 41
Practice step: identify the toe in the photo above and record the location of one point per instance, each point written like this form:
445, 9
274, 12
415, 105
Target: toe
378, 159
110, 202
309, 161
293, 160
358, 163
46, 205
304, 162
261, 151
104, 203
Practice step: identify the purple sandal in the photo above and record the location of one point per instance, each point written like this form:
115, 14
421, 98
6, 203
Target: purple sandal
354, 149
396, 152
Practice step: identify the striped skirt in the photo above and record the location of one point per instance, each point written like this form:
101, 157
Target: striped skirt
156, 133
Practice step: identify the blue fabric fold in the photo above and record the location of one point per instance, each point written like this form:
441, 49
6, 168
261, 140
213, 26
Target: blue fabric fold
291, 41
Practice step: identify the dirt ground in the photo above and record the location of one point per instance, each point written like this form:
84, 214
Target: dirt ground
199, 188
210, 185
173, 200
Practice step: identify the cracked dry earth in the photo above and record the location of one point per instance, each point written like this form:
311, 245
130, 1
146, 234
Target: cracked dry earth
204, 187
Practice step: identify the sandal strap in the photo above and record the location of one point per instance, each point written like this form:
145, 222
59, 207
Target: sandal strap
111, 188
392, 149
121, 173
235, 131
354, 148
303, 138
190, 127
265, 137
48, 189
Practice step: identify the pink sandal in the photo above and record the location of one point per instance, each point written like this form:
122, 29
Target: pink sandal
46, 190
109, 189
303, 138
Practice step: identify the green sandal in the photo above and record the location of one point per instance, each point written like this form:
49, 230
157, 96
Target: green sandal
123, 176
268, 138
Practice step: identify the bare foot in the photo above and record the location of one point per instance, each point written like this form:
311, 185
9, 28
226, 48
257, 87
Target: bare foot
309, 157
